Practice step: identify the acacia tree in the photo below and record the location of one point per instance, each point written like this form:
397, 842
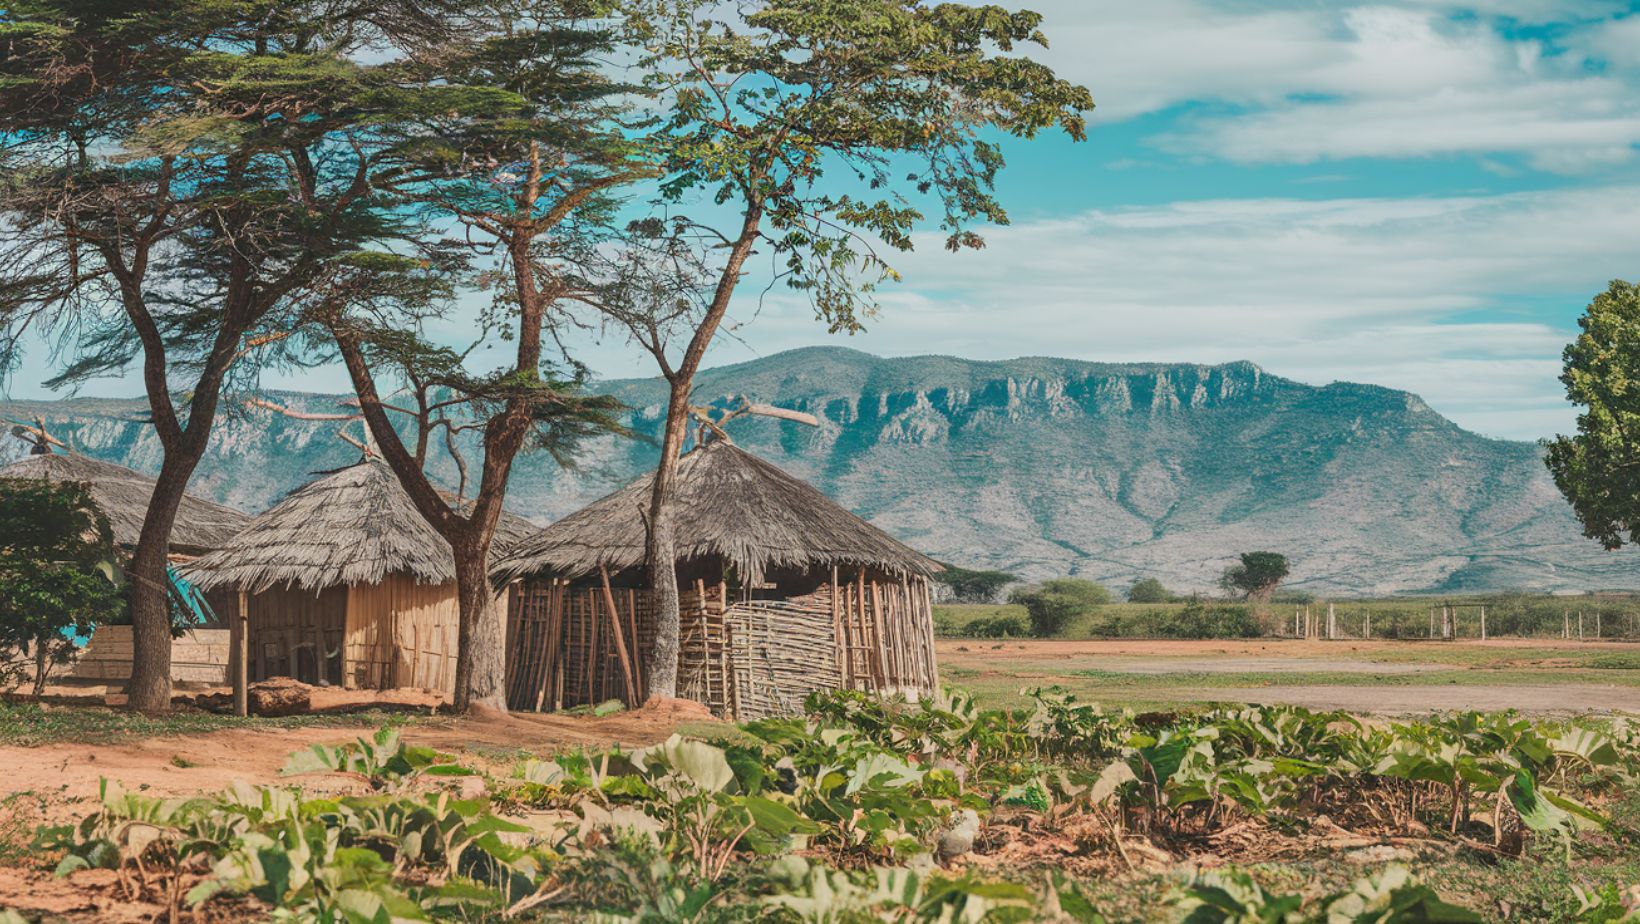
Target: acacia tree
761, 104
524, 163
179, 179
1598, 468
1256, 576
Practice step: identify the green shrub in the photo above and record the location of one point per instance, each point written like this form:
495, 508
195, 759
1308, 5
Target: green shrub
1002, 625
1200, 619
1054, 604
1149, 590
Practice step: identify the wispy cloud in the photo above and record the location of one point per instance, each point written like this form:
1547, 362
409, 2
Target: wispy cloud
1465, 300
1298, 84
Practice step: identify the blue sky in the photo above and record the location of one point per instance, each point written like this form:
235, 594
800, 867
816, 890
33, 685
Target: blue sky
1422, 195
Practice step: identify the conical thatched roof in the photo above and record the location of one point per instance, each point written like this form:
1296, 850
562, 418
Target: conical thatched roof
352, 526
123, 496
729, 503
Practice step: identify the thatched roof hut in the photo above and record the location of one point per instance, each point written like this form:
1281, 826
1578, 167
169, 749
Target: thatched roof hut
123, 496
728, 504
781, 592
347, 584
356, 525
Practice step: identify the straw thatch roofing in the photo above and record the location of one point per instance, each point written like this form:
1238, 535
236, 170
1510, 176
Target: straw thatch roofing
353, 526
123, 495
728, 503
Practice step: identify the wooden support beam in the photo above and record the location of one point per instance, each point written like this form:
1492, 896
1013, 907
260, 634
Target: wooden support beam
241, 656
620, 639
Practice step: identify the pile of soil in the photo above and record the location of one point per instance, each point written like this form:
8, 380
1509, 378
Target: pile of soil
284, 696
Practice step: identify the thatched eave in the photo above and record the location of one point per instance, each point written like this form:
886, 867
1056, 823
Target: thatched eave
729, 504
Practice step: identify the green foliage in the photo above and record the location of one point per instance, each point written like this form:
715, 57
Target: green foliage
1595, 468
896, 97
1149, 590
1003, 625
838, 815
1205, 619
1391, 897
57, 575
974, 586
1054, 604
1257, 575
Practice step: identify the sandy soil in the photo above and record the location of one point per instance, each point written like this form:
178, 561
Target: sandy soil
190, 764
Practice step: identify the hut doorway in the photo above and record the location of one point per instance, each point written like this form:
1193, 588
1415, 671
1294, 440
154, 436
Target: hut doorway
295, 633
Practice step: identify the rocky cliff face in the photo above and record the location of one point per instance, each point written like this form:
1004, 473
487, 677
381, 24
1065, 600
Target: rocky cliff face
1050, 467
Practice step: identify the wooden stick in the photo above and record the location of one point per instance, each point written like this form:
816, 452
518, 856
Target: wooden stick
839, 637
620, 641
637, 643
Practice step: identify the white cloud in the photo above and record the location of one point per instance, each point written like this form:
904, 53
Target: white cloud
1317, 82
1446, 297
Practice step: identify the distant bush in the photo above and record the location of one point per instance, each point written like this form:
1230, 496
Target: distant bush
1201, 619
1054, 604
1149, 590
1003, 625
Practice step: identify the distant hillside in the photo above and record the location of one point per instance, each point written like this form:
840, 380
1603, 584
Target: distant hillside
1050, 467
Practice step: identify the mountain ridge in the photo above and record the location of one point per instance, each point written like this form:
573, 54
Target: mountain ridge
1047, 466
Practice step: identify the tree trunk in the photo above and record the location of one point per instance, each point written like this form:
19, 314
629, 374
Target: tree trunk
149, 689
660, 551
481, 655
42, 664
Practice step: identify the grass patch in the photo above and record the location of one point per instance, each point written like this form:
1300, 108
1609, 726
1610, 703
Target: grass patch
20, 814
1612, 661
32, 725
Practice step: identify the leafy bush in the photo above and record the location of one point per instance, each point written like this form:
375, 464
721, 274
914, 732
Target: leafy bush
1149, 590
57, 575
1054, 604
1002, 625
1200, 619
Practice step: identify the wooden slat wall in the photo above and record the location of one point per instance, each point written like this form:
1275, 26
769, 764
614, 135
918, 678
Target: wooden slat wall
403, 634
294, 632
861, 630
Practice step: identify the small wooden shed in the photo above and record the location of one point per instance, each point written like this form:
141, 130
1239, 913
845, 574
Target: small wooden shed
783, 592
346, 584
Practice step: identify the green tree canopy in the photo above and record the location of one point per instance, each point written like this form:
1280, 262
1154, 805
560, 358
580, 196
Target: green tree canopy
1256, 576
56, 574
1148, 590
974, 586
1598, 468
182, 180
1054, 604
821, 134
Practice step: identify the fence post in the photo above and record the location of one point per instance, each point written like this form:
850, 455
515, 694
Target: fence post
1483, 623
